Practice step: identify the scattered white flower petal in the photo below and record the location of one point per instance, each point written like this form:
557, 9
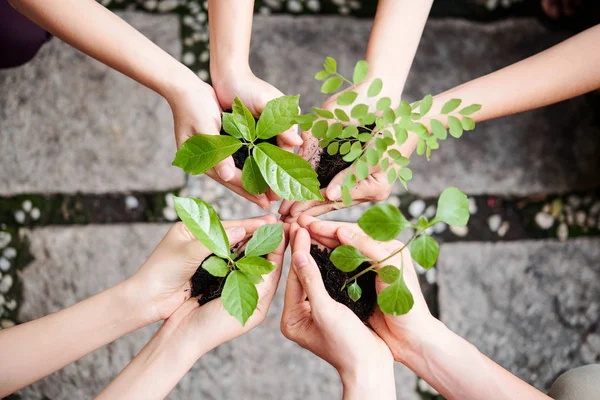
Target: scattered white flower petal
131, 202
11, 305
503, 228
416, 208
574, 201
188, 58
20, 216
6, 284
203, 74
35, 214
5, 239
460, 231
562, 232
10, 252
431, 276
6, 323
494, 222
472, 206
544, 220
430, 211
27, 205
167, 5
2, 300
440, 227
169, 214
580, 218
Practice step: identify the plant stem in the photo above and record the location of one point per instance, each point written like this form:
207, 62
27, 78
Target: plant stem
344, 79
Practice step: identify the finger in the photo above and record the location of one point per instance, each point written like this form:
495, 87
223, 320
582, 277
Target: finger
294, 292
364, 244
236, 186
272, 196
308, 272
334, 189
251, 224
284, 208
289, 139
324, 208
305, 220
226, 169
326, 231
300, 207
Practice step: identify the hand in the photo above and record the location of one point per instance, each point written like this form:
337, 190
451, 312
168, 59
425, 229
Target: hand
374, 188
330, 330
164, 278
196, 110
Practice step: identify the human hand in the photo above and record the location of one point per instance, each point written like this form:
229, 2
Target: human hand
330, 330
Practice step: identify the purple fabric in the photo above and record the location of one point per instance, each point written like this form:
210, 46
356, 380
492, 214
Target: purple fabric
20, 39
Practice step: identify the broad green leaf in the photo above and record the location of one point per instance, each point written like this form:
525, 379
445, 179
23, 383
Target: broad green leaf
265, 240
453, 207
304, 118
375, 88
354, 291
391, 176
451, 105
422, 223
239, 296
364, 137
439, 130
255, 279
341, 115
389, 274
372, 156
252, 179
470, 109
330, 65
383, 222
256, 266
202, 220
403, 109
323, 113
202, 152
359, 110
400, 133
388, 116
424, 250
345, 147
334, 131
395, 299
383, 103
324, 143
321, 75
406, 174
277, 117
346, 98
467, 123
287, 174
331, 84
355, 152
319, 129
362, 170
350, 131
333, 148
245, 120
230, 125
455, 126
361, 69
347, 258
425, 105
216, 266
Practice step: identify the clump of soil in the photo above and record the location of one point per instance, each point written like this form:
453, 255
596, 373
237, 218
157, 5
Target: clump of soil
334, 280
206, 286
329, 166
239, 157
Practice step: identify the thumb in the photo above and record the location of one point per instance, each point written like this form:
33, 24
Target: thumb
308, 274
364, 244
334, 189
196, 252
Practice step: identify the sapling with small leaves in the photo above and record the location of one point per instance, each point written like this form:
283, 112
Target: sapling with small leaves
287, 174
241, 271
385, 222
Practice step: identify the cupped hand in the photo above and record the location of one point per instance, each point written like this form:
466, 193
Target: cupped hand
196, 110
322, 325
163, 281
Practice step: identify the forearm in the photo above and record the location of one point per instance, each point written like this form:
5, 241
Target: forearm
566, 70
394, 41
376, 383
96, 31
457, 370
35, 349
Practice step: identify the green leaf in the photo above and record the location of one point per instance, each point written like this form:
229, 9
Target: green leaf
202, 220
420, 147
345, 148
422, 223
323, 113
403, 109
331, 84
439, 130
354, 291
216, 266
255, 279
239, 296
375, 88
319, 129
347, 258
381, 145
455, 126
425, 105
364, 137
333, 148
334, 131
362, 170
388, 116
277, 117
256, 266
383, 104
400, 133
406, 174
391, 176
230, 125
385, 163
470, 109
350, 131
341, 115
415, 105
359, 110
368, 119
467, 123
372, 156
355, 152
451, 105
395, 299
453, 207
202, 152
383, 222
245, 120
388, 274
419, 129
264, 240
346, 98
346, 197
361, 69
287, 174
252, 179
330, 65
424, 250
402, 161
321, 75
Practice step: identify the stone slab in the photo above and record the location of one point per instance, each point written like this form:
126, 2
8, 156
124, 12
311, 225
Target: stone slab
549, 150
70, 124
531, 306
73, 263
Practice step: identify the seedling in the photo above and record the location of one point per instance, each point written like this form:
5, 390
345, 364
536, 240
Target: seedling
384, 222
370, 137
287, 174
241, 272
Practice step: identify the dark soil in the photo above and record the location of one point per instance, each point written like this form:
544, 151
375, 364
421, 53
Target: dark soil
239, 157
329, 167
334, 280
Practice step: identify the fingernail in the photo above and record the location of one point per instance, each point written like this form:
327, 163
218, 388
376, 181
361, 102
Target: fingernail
335, 193
236, 233
346, 233
225, 172
300, 260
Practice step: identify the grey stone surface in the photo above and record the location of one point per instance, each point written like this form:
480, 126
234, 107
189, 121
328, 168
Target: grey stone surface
531, 306
74, 263
549, 150
69, 123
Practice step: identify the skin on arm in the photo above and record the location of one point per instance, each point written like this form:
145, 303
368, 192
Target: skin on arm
450, 364
398, 26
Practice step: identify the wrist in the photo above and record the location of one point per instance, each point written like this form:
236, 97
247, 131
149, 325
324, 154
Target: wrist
133, 298
369, 380
224, 73
411, 345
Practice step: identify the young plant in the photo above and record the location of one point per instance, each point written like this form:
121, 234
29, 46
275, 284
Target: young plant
287, 174
370, 137
384, 222
242, 273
